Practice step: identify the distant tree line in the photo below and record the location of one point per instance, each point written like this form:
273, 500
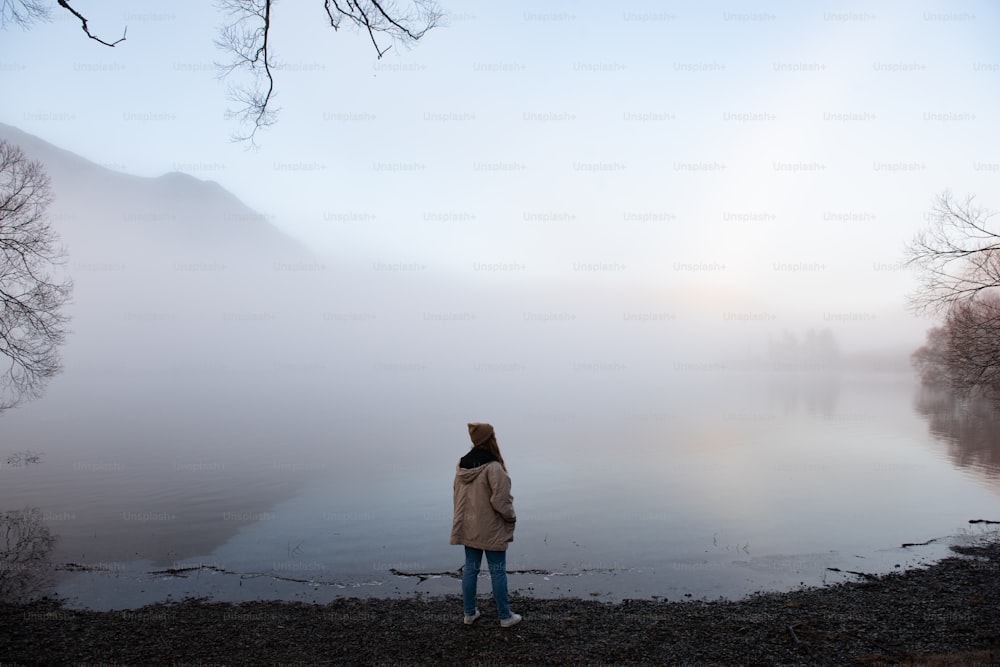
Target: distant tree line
958, 256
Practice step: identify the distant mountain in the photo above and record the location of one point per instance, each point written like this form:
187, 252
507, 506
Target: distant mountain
103, 215
171, 272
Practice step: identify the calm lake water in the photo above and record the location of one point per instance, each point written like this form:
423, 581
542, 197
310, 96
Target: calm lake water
656, 482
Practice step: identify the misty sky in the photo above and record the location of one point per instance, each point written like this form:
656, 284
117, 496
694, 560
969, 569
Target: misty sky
765, 161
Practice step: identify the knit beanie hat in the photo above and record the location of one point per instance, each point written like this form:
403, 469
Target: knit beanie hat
480, 433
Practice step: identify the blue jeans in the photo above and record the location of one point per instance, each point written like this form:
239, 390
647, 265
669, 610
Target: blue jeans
497, 561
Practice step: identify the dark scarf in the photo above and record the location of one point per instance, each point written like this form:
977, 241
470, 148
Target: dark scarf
475, 458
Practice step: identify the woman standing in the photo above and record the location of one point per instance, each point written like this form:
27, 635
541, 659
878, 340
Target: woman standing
484, 520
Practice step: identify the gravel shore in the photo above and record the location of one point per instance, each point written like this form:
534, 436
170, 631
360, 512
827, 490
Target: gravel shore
946, 614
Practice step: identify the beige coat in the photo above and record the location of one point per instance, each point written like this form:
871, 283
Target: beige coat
484, 509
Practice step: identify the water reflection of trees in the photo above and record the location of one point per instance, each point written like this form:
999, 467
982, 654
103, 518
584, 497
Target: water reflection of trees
25, 545
816, 393
967, 426
815, 350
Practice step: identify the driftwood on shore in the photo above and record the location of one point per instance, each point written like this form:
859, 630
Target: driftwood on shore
866, 575
904, 545
457, 574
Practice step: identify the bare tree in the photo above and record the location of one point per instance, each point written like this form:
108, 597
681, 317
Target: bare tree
930, 359
32, 321
247, 38
963, 354
972, 351
958, 255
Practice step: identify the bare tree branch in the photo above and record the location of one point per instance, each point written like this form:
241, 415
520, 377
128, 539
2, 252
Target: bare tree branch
246, 37
83, 21
385, 17
958, 255
23, 13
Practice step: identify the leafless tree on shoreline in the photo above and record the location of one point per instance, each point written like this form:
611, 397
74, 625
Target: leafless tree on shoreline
959, 259
32, 321
973, 350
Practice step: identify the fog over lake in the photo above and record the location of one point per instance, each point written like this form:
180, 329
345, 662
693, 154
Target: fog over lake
277, 416
705, 484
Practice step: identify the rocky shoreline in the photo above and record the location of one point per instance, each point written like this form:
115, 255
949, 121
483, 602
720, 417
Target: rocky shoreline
945, 614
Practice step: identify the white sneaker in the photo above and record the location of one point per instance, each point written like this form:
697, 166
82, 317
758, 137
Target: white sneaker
469, 620
513, 619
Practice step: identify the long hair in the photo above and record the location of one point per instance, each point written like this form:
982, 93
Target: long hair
493, 448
